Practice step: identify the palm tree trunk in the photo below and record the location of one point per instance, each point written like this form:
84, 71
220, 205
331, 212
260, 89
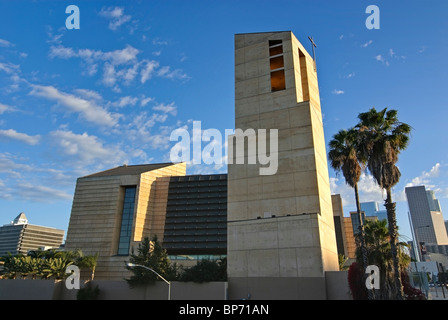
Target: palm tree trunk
370, 292
393, 232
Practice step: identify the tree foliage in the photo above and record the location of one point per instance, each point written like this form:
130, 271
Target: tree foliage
383, 137
379, 254
44, 264
205, 271
150, 254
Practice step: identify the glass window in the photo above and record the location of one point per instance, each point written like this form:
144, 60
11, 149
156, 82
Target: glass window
126, 220
277, 65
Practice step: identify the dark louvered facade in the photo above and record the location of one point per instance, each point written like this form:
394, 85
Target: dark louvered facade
196, 215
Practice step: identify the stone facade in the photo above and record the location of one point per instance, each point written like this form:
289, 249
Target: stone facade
95, 219
281, 225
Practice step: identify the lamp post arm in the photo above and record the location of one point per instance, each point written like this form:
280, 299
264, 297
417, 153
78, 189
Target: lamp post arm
145, 267
142, 266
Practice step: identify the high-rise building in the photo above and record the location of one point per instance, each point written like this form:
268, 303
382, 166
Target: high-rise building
426, 216
371, 209
281, 233
20, 237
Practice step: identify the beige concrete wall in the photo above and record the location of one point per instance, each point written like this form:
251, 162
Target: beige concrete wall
439, 227
95, 219
112, 290
152, 198
28, 289
274, 288
301, 184
338, 211
337, 285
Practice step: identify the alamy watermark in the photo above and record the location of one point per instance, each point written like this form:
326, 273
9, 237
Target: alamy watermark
72, 281
373, 20
373, 278
234, 145
73, 20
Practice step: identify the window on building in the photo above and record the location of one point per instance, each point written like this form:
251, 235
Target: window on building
127, 216
277, 65
304, 76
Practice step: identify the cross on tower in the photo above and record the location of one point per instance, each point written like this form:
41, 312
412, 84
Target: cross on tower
314, 54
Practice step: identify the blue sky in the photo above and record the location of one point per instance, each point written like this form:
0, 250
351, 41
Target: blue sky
74, 102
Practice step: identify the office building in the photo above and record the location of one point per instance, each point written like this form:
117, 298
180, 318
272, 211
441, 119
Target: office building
19, 237
426, 216
371, 209
356, 223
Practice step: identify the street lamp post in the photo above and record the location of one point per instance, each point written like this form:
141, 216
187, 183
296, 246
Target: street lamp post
168, 282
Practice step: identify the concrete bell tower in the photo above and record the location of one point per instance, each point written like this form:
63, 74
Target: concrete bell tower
281, 236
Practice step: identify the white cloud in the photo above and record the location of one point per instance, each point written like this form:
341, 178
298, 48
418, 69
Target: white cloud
350, 75
145, 100
391, 52
368, 43
159, 42
109, 75
9, 165
89, 94
143, 122
116, 57
9, 68
426, 177
5, 43
125, 101
140, 130
166, 72
62, 52
54, 38
116, 16
422, 49
87, 109
148, 70
86, 149
31, 191
367, 187
337, 92
381, 59
18, 136
118, 65
166, 108
5, 108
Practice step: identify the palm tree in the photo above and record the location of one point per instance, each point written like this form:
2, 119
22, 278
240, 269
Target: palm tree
344, 156
378, 248
383, 138
379, 254
89, 262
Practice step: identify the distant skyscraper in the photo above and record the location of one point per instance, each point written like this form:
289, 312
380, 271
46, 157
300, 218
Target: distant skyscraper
19, 236
426, 216
371, 209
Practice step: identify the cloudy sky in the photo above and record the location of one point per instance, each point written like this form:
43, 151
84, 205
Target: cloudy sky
77, 101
